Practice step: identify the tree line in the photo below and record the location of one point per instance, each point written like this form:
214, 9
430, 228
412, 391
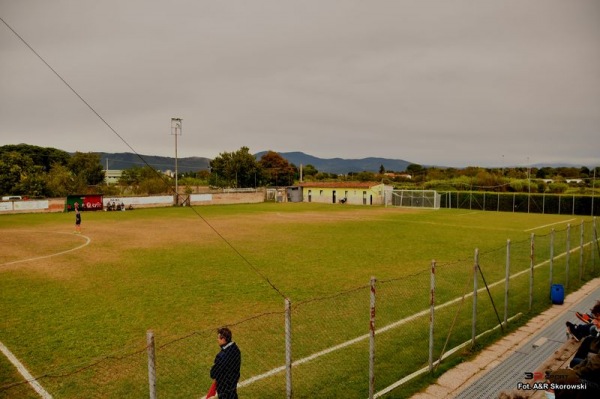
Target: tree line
47, 172
34, 171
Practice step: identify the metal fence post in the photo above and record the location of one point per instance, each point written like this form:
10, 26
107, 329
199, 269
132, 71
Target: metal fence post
506, 282
543, 203
431, 315
531, 265
567, 256
288, 348
595, 244
581, 228
551, 257
151, 363
372, 342
474, 320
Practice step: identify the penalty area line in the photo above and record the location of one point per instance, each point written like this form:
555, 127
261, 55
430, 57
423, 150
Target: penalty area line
24, 372
548, 225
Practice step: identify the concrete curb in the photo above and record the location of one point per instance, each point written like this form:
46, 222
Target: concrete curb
454, 381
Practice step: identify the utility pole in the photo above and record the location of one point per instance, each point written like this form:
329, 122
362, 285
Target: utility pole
176, 128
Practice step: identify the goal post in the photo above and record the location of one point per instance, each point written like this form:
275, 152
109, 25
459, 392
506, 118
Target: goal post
416, 199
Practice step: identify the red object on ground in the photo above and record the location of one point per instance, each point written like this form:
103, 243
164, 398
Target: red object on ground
212, 391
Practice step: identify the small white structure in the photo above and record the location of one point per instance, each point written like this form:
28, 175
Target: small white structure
112, 176
356, 193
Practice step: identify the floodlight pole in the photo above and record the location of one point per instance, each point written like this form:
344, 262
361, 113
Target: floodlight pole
176, 128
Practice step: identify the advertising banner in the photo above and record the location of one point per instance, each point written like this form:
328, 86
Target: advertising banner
91, 202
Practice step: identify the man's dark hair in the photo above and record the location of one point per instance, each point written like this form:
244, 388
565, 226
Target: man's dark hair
225, 333
596, 309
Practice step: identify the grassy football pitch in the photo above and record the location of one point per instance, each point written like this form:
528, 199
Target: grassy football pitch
67, 298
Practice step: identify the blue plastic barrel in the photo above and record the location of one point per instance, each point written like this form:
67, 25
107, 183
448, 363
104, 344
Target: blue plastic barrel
557, 294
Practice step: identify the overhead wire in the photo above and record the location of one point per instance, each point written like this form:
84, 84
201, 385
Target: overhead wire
229, 244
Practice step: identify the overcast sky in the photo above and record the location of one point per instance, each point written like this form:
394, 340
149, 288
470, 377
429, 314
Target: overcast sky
454, 83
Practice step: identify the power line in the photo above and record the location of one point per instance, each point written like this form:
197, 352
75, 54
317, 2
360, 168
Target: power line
163, 178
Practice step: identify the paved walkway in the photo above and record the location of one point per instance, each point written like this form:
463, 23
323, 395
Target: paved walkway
502, 365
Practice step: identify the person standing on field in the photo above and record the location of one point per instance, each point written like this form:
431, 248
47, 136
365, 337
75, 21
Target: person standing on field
226, 369
77, 219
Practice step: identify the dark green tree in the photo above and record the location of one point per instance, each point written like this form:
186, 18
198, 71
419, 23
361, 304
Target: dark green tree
87, 168
144, 180
59, 181
309, 170
365, 176
33, 183
14, 168
235, 169
544, 173
584, 172
40, 156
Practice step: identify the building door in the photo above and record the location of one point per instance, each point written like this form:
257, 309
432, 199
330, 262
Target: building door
334, 196
364, 198
309, 195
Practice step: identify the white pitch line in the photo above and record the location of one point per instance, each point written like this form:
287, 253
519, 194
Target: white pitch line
469, 213
24, 372
9, 355
87, 242
548, 225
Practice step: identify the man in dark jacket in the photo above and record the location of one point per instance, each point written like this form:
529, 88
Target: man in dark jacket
226, 369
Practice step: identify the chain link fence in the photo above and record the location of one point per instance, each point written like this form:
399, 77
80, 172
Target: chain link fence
360, 343
561, 204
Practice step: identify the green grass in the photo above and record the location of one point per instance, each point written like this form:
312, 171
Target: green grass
66, 312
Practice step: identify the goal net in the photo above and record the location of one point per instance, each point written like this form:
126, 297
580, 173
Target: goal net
416, 198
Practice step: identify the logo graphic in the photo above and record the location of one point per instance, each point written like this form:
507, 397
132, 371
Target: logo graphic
535, 376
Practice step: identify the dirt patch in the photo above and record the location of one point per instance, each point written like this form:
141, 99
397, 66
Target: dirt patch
110, 238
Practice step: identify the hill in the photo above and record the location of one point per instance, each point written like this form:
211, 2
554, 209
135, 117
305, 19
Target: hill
127, 160
342, 166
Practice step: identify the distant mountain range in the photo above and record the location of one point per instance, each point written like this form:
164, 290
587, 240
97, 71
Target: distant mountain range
127, 160
342, 166
120, 161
